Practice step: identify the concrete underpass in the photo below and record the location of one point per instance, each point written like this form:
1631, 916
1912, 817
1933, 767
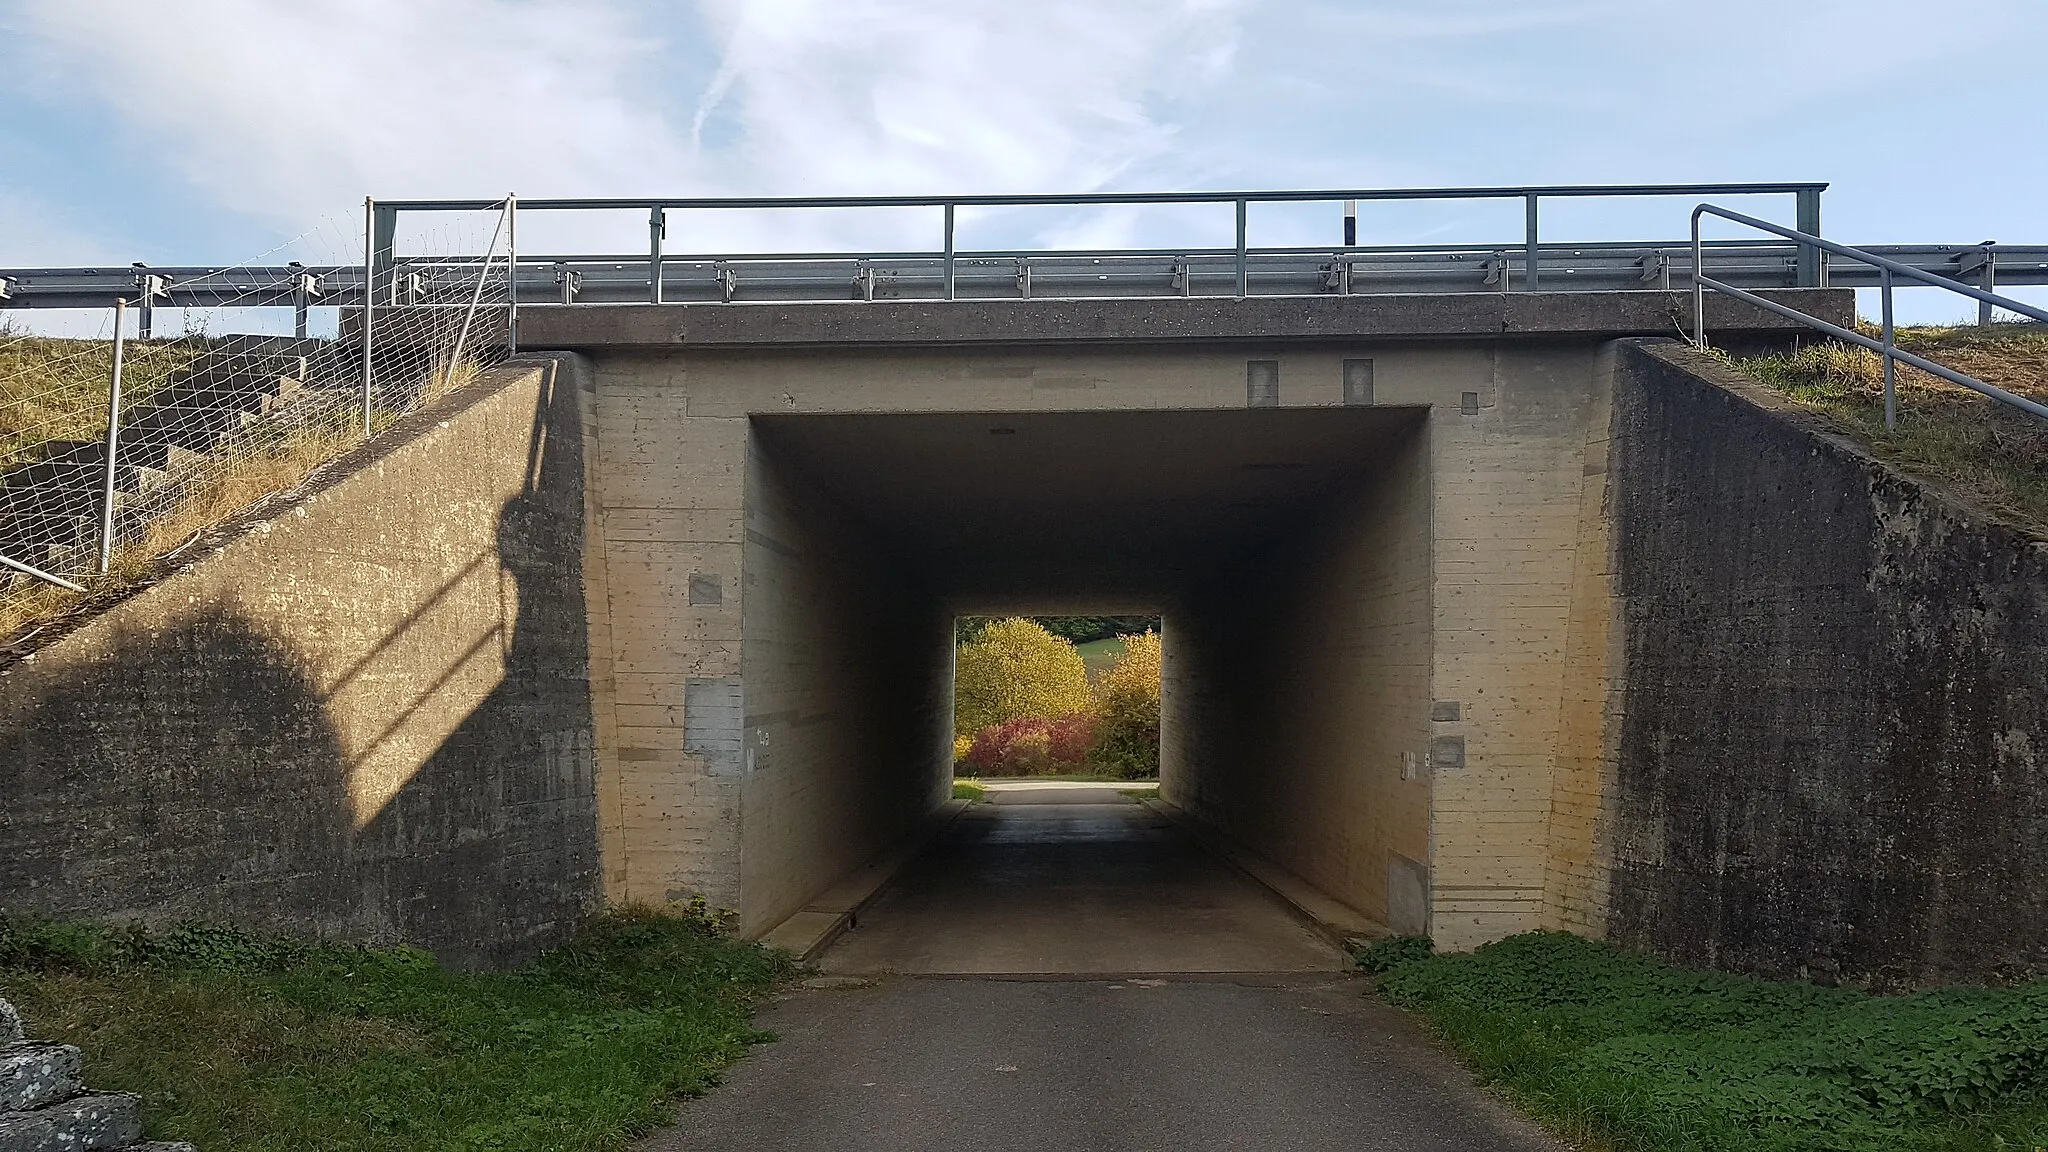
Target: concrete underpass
1381, 560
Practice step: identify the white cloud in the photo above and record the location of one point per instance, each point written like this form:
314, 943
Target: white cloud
291, 113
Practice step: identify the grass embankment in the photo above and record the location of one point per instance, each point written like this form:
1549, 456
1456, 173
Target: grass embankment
1997, 456
237, 1043
56, 389
65, 392
1621, 1051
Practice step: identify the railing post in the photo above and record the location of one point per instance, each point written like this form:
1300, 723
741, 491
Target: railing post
1812, 261
1891, 403
1989, 281
113, 444
302, 300
511, 274
1531, 253
1244, 275
949, 252
657, 229
384, 247
1699, 290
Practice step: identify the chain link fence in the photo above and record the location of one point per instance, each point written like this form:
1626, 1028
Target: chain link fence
127, 433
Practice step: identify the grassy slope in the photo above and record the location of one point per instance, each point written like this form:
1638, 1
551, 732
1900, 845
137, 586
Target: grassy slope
1626, 1052
56, 389
1995, 455
237, 1044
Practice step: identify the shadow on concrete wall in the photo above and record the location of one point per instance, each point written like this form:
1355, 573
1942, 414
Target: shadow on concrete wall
194, 770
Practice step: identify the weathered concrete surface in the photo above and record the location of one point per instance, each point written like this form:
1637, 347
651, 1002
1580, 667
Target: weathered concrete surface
1072, 887
844, 703
1834, 742
1332, 606
1583, 316
1300, 1063
366, 715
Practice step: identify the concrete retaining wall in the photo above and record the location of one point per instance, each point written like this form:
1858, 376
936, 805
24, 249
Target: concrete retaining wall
1832, 749
367, 715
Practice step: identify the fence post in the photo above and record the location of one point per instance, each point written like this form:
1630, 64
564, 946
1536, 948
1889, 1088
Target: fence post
511, 274
370, 220
113, 441
1812, 261
1531, 254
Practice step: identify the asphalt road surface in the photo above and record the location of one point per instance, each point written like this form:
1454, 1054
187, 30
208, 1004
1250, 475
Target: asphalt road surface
1082, 977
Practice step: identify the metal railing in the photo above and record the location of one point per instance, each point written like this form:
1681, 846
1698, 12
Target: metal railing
1888, 271
1241, 256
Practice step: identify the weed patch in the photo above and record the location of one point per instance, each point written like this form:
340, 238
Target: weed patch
243, 1043
1618, 1046
1996, 455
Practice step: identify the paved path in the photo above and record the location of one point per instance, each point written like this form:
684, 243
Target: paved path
1199, 1053
1296, 1063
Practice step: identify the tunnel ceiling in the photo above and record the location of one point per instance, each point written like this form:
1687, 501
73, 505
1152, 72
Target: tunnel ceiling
1053, 511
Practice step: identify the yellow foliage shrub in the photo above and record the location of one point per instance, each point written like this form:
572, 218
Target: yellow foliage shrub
1016, 668
1127, 701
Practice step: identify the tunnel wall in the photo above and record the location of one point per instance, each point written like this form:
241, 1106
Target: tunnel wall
364, 714
847, 693
1297, 689
1831, 757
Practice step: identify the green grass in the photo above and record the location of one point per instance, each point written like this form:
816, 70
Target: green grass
238, 1043
969, 789
1997, 456
1623, 1051
1099, 655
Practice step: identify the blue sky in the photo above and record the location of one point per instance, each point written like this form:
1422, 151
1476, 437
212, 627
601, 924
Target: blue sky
214, 130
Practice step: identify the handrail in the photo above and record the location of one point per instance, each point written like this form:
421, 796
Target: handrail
1885, 346
1084, 199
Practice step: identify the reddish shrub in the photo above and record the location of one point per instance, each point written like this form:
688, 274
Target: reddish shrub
1032, 744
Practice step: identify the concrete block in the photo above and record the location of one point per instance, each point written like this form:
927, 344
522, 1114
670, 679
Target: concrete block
32, 1075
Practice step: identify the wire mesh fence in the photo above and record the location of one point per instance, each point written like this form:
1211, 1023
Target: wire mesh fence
127, 433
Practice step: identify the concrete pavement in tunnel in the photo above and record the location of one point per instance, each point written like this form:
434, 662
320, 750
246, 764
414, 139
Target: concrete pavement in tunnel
1066, 969
1053, 879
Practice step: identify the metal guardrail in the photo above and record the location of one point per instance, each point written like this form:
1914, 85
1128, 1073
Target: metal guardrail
1888, 270
789, 278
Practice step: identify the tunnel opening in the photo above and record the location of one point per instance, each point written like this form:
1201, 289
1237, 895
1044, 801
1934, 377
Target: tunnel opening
1039, 698
1286, 554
